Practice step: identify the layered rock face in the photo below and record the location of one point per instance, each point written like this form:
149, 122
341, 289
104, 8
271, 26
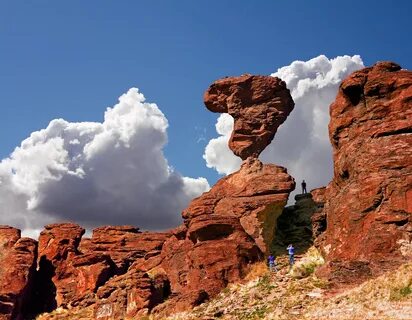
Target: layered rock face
232, 225
259, 105
225, 230
368, 206
17, 267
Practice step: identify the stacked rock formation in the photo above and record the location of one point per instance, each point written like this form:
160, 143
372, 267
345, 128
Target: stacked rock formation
258, 104
232, 225
121, 272
369, 202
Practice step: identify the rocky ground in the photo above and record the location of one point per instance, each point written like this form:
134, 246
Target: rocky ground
288, 295
295, 294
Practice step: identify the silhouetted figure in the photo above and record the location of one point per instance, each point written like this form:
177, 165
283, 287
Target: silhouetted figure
304, 187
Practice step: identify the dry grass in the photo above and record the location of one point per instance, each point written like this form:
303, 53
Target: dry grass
386, 297
60, 314
257, 270
285, 296
307, 265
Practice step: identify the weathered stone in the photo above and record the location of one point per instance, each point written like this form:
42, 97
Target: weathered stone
319, 217
226, 229
368, 206
258, 104
17, 266
124, 244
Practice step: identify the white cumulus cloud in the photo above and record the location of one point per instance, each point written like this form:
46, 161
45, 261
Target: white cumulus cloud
92, 173
302, 142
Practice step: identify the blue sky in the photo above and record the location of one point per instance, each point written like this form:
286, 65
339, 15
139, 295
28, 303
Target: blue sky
72, 60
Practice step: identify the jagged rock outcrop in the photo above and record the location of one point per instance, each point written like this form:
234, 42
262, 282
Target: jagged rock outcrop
225, 230
368, 206
123, 244
258, 104
17, 267
107, 270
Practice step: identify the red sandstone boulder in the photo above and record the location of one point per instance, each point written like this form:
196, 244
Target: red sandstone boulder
59, 240
368, 206
258, 104
225, 230
17, 267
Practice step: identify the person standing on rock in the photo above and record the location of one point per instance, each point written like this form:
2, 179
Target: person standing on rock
291, 251
272, 263
304, 187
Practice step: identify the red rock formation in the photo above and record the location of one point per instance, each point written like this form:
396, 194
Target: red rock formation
121, 272
259, 105
233, 224
319, 216
225, 230
368, 207
17, 266
81, 268
124, 244
58, 250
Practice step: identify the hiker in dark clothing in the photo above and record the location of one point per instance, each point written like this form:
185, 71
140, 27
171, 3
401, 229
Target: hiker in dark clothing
272, 263
291, 251
304, 187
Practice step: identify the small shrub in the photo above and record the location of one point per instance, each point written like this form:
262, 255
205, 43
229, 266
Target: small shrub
257, 313
308, 264
265, 283
400, 293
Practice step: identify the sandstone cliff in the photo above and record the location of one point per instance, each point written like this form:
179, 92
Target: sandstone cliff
369, 201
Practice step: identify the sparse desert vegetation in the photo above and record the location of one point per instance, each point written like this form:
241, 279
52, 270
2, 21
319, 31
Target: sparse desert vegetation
298, 294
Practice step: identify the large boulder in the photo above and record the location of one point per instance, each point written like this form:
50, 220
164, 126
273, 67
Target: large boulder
224, 231
369, 201
17, 267
259, 105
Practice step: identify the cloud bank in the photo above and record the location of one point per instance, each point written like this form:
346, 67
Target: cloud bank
92, 173
302, 142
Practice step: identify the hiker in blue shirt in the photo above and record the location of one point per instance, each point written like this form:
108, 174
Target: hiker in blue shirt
291, 251
272, 263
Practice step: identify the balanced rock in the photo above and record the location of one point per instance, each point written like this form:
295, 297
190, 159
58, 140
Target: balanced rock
369, 202
258, 104
17, 267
